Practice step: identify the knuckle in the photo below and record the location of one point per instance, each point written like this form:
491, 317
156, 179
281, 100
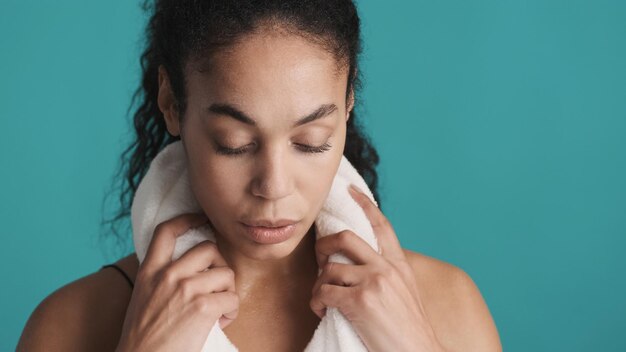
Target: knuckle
223, 274
234, 297
324, 290
160, 229
230, 274
204, 305
185, 288
169, 276
364, 298
208, 247
313, 303
214, 252
379, 280
345, 237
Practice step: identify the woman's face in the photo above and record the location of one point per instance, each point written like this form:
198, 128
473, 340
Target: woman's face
284, 169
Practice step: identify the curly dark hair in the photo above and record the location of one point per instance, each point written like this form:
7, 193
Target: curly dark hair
181, 30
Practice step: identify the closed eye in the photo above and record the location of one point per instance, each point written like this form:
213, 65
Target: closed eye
302, 147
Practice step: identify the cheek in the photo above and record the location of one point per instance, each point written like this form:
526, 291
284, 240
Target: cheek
317, 178
217, 188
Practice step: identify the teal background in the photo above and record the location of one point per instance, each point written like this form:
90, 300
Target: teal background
501, 127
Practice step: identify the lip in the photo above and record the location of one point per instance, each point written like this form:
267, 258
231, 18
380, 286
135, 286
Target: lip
270, 223
270, 235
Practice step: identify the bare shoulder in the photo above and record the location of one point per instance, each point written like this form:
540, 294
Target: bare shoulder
454, 305
85, 314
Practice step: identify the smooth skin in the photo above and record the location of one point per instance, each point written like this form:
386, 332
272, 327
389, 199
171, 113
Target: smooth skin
274, 78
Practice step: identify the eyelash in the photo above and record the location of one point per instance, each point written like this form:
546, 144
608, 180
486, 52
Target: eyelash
305, 148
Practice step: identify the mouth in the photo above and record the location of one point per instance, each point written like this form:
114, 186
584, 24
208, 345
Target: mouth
270, 235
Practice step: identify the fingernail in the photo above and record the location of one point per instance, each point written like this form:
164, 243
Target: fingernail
355, 188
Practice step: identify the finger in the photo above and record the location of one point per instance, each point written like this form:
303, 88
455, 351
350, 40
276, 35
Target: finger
387, 239
200, 257
339, 274
350, 245
211, 281
229, 302
331, 296
226, 304
161, 247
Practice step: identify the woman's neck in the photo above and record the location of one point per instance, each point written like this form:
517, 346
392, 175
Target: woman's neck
274, 277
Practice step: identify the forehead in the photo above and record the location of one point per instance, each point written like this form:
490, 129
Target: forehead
269, 67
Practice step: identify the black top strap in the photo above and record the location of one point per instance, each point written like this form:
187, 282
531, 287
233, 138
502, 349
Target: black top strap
130, 282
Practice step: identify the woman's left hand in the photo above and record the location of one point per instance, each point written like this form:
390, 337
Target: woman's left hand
378, 294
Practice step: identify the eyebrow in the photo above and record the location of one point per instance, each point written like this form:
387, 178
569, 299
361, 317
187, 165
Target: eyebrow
231, 111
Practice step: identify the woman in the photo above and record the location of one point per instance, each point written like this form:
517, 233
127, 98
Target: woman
261, 93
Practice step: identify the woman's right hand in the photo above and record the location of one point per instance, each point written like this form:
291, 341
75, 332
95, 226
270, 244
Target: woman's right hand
175, 304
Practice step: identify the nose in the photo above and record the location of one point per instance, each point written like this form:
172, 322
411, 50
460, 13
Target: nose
273, 173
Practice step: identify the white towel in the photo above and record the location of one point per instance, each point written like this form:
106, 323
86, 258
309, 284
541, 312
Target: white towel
164, 193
